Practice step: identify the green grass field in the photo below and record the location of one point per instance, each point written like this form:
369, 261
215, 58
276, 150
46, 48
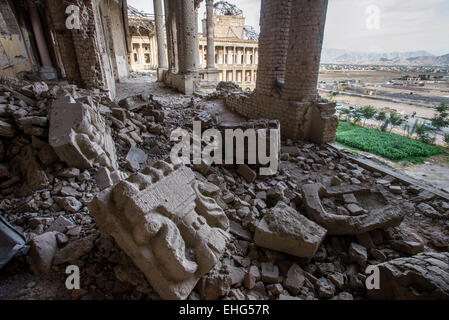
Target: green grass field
388, 145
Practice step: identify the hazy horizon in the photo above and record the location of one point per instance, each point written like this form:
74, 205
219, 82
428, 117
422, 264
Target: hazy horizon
353, 25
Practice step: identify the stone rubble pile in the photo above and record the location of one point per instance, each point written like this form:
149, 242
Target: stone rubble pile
141, 228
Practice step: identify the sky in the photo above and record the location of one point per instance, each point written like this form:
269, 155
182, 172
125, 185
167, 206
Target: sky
368, 25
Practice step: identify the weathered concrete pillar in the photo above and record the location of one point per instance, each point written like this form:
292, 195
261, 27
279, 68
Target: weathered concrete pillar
210, 34
176, 7
186, 78
189, 35
170, 28
161, 44
197, 56
273, 44
47, 71
304, 51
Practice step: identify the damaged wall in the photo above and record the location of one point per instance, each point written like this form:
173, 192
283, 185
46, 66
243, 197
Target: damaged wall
14, 55
290, 47
112, 12
94, 56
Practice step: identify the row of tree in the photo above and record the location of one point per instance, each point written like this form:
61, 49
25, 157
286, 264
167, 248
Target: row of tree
425, 132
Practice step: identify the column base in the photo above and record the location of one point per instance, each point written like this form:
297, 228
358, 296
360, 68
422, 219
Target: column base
185, 83
209, 78
48, 73
161, 74
311, 121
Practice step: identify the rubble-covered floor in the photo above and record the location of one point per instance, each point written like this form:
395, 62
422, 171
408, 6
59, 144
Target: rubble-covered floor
246, 271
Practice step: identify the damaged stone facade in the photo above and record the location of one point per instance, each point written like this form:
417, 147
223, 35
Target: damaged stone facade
173, 232
90, 57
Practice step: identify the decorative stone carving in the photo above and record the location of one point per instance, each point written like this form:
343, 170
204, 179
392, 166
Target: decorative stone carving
372, 211
424, 276
78, 134
163, 220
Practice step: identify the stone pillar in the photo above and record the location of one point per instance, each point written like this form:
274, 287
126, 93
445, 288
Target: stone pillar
197, 56
47, 70
161, 44
210, 34
170, 28
273, 44
189, 35
304, 50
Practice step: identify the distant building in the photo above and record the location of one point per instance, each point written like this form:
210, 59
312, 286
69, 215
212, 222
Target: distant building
143, 43
236, 58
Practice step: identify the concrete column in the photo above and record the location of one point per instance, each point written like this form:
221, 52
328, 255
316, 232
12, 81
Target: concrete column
189, 35
170, 28
141, 55
197, 55
161, 44
39, 36
304, 50
210, 34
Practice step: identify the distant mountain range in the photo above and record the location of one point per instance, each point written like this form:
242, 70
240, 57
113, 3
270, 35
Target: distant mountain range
413, 58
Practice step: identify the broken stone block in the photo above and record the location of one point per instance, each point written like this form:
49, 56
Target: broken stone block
251, 277
382, 214
395, 189
134, 102
285, 229
42, 251
60, 224
355, 210
428, 210
69, 173
75, 249
358, 254
237, 274
337, 278
349, 198
214, 286
78, 134
424, 276
270, 272
69, 203
171, 231
136, 155
103, 178
295, 279
35, 131
408, 247
32, 121
325, 288
47, 155
275, 289
34, 177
